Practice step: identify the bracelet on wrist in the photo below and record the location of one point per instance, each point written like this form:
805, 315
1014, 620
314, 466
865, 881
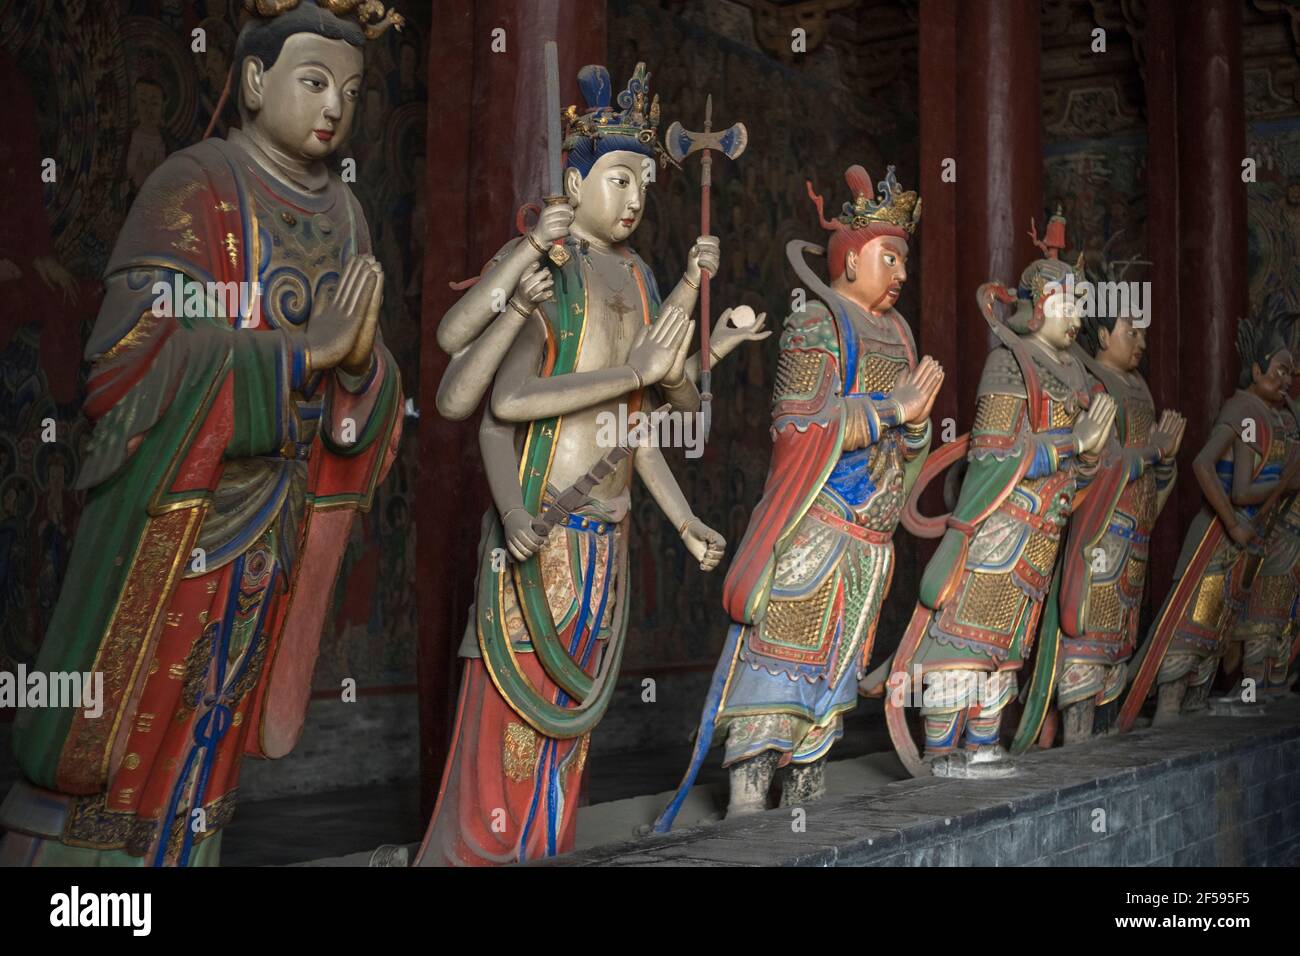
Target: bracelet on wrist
681, 529
514, 304
693, 285
640, 382
536, 244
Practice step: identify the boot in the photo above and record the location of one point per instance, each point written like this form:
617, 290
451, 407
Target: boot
804, 783
1078, 722
751, 779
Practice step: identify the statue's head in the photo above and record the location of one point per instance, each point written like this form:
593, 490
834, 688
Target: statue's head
867, 255
1113, 339
1046, 308
611, 155
1263, 345
298, 66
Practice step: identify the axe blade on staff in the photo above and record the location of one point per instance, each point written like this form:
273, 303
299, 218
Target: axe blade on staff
680, 143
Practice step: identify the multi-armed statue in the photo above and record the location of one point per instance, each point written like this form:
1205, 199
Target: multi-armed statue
584, 335
245, 408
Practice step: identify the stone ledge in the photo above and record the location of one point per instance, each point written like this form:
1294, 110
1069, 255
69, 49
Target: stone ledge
1209, 791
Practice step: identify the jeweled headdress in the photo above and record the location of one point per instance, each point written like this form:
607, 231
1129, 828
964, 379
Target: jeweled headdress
892, 207
634, 118
1049, 270
373, 19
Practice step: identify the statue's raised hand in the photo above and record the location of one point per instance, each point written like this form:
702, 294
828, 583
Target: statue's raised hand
1092, 427
552, 223
343, 332
704, 256
705, 545
916, 390
654, 350
726, 337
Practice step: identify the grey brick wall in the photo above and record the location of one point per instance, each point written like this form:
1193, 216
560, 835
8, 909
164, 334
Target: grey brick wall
1211, 791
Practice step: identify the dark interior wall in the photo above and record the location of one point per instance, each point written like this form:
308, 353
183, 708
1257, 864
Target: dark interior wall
108, 90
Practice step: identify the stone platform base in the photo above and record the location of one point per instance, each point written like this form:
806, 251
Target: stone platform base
1206, 791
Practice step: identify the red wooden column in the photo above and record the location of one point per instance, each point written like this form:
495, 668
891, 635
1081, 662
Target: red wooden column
1212, 284
999, 165
1163, 249
486, 152
942, 307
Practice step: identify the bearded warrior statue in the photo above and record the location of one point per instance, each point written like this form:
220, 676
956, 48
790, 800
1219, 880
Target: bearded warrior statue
850, 422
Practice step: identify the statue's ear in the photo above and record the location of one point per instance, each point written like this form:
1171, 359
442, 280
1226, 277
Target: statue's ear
251, 76
1256, 373
572, 184
1103, 338
851, 265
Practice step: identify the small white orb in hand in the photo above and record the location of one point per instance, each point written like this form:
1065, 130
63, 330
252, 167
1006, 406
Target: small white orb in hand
742, 317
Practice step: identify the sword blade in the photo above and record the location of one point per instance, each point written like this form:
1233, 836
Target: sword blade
554, 145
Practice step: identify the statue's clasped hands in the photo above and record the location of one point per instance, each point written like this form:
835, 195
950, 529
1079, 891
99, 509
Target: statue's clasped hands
342, 333
1092, 427
1167, 437
660, 348
916, 389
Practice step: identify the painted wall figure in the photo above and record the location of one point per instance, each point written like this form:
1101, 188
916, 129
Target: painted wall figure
991, 587
1222, 595
851, 428
232, 448
1105, 564
576, 342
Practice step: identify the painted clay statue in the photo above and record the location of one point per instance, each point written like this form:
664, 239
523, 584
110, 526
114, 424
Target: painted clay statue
543, 648
245, 408
1038, 429
1105, 563
850, 415
1246, 471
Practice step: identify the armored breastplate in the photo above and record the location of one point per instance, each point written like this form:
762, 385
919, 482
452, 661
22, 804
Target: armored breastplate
1064, 387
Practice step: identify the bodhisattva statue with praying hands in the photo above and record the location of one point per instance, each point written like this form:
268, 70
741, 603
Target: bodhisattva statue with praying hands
245, 408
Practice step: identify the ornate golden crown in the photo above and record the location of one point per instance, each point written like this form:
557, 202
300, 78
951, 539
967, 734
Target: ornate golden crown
370, 14
894, 206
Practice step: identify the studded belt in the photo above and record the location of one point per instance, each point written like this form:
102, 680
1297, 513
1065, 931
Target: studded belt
848, 527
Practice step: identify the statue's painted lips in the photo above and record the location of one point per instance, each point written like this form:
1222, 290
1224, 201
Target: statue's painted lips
324, 135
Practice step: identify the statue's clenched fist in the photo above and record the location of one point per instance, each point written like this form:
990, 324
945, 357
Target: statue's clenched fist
522, 538
553, 223
704, 255
704, 544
